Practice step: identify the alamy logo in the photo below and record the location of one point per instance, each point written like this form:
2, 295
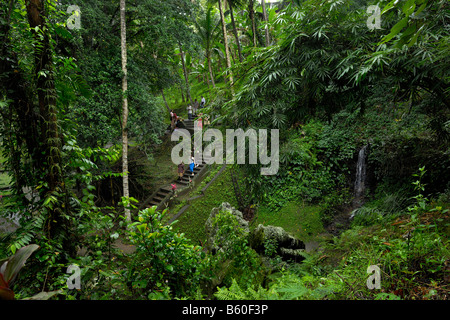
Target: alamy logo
74, 21
374, 21
73, 282
374, 280
214, 151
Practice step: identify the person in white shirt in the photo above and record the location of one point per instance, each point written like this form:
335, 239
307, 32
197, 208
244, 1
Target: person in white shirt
202, 103
189, 108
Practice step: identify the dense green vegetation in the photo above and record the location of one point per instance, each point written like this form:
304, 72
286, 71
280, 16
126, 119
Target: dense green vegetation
313, 69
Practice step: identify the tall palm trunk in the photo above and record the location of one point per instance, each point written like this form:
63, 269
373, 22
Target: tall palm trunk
211, 74
266, 19
233, 23
123, 42
225, 40
251, 12
188, 91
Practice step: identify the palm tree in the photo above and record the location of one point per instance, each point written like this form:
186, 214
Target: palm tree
266, 19
183, 64
225, 40
234, 4
207, 29
251, 13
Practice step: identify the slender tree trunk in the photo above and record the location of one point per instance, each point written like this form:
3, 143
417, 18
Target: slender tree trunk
123, 41
219, 63
235, 33
266, 19
188, 91
251, 12
232, 55
225, 40
182, 93
165, 101
206, 79
208, 57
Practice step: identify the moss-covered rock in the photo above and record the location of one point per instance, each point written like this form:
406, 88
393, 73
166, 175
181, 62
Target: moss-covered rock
287, 246
211, 228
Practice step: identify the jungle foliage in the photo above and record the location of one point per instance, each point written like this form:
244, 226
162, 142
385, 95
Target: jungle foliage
313, 69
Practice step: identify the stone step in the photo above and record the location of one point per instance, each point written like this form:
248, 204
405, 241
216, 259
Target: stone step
186, 175
161, 194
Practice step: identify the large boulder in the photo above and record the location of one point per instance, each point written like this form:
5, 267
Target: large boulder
285, 245
211, 229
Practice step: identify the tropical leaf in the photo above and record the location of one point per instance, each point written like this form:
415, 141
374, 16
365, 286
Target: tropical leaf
11, 268
44, 295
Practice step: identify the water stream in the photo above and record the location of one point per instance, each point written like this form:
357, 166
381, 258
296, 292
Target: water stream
360, 179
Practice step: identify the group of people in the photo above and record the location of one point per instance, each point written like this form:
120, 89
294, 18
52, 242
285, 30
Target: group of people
181, 169
192, 110
175, 121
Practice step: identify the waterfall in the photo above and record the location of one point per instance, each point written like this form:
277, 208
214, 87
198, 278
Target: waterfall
360, 179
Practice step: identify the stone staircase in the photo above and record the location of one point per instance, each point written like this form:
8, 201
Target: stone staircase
164, 193
189, 124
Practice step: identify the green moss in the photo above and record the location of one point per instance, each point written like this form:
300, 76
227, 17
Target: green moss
301, 220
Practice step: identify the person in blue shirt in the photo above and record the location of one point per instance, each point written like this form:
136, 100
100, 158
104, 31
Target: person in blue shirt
192, 165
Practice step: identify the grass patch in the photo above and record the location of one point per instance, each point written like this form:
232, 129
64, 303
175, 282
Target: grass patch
301, 220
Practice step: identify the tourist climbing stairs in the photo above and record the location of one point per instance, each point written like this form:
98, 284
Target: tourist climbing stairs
164, 193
